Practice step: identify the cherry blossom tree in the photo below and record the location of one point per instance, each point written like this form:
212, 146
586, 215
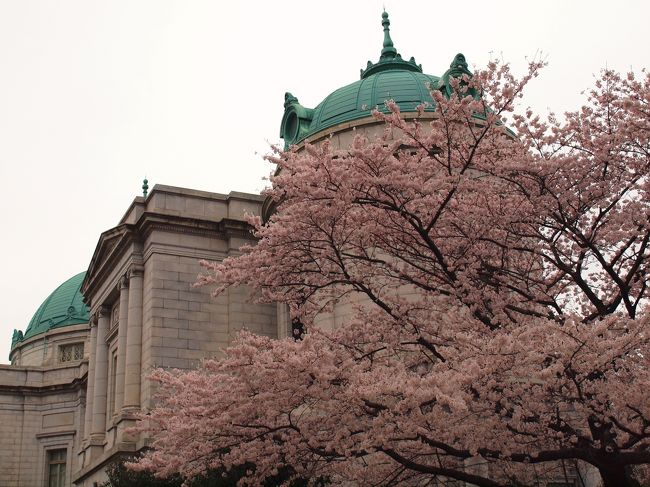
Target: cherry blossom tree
499, 266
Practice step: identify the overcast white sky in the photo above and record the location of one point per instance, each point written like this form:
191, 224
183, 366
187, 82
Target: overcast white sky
94, 95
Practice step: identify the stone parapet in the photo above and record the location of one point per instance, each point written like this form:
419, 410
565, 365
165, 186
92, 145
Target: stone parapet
39, 379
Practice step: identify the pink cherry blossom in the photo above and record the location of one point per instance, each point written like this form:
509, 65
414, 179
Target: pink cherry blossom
500, 333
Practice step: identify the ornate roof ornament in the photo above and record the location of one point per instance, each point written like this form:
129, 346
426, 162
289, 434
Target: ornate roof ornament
289, 100
391, 77
296, 120
389, 58
457, 69
389, 51
17, 337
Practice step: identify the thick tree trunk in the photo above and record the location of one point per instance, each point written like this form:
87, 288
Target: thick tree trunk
617, 476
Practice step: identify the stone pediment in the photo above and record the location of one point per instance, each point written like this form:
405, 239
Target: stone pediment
111, 244
166, 211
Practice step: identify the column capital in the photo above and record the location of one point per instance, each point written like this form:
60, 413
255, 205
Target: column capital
104, 311
135, 270
123, 282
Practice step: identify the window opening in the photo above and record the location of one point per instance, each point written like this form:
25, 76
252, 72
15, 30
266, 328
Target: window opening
56, 468
71, 352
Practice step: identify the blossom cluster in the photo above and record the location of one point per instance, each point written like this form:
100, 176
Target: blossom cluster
494, 266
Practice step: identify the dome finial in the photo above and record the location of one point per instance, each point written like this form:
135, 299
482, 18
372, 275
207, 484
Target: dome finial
389, 50
390, 59
145, 187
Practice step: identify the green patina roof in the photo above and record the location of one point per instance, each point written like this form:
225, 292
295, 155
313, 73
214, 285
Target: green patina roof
63, 307
389, 78
357, 100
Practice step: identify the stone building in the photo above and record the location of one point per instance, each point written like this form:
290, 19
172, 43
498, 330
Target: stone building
43, 391
79, 371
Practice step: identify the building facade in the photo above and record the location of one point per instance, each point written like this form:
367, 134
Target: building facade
79, 371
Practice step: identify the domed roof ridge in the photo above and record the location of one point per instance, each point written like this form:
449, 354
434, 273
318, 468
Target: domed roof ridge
318, 113
358, 99
63, 307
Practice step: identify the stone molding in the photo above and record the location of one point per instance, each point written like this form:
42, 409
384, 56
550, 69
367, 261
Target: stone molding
50, 434
177, 251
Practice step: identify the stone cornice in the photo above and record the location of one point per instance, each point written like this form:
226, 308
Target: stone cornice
118, 242
50, 434
178, 251
76, 384
223, 229
208, 195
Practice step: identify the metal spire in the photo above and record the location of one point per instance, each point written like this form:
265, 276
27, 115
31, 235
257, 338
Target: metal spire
390, 59
389, 50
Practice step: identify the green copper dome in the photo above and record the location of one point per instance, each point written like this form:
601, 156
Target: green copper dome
389, 78
357, 100
63, 307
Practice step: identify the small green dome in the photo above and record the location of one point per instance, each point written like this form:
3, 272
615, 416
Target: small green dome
63, 307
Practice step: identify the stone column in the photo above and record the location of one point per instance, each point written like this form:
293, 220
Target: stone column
101, 373
134, 340
123, 286
90, 383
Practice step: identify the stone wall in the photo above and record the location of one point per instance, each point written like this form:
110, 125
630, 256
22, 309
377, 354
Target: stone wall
40, 410
143, 271
42, 349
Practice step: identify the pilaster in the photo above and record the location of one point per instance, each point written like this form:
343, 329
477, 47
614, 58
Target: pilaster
90, 386
123, 287
101, 374
134, 340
